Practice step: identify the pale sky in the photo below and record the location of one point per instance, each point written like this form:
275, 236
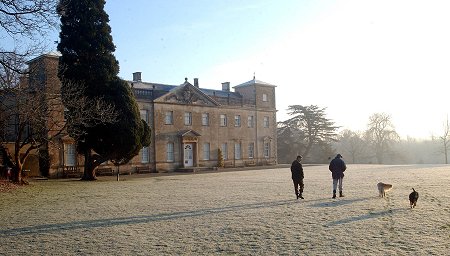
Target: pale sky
355, 58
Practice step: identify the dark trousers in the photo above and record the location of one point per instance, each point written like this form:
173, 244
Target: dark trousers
298, 186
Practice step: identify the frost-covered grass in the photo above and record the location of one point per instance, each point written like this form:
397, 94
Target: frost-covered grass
243, 213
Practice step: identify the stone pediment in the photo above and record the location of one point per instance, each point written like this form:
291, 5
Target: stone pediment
189, 136
187, 94
189, 133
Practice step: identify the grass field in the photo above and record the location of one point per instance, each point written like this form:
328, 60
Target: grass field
231, 213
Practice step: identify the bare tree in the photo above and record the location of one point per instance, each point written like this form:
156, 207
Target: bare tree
34, 120
381, 134
24, 25
445, 140
352, 143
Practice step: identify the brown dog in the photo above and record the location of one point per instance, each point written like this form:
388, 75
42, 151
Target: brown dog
383, 188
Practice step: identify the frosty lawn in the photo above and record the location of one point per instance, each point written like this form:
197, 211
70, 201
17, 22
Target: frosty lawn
242, 212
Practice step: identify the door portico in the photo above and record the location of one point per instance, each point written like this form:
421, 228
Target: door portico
189, 142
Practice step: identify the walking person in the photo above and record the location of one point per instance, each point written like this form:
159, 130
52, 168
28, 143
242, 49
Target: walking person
297, 176
337, 168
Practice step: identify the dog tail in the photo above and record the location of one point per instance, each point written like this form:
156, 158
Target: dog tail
413, 190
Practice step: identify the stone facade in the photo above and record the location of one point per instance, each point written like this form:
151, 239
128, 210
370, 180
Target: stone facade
189, 125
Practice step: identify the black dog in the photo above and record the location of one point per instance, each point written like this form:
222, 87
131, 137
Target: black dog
413, 198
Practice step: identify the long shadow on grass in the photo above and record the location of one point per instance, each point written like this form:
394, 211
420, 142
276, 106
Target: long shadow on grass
340, 201
370, 215
60, 227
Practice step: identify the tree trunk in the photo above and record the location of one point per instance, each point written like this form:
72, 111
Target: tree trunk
89, 169
446, 155
16, 171
445, 151
16, 174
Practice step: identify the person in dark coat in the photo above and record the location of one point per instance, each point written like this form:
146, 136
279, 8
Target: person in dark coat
337, 168
297, 176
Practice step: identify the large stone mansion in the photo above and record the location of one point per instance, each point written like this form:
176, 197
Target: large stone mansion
189, 125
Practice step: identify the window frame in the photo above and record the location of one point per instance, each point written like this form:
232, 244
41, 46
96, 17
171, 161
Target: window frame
251, 150
205, 119
223, 120
144, 114
206, 151
145, 155
170, 152
70, 156
250, 121
224, 147
237, 151
187, 118
168, 118
237, 121
266, 122
266, 149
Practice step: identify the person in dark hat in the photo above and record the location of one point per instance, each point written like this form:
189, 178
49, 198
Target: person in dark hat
297, 176
337, 168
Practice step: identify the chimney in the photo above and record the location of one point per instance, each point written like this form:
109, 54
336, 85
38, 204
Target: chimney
226, 86
137, 77
196, 82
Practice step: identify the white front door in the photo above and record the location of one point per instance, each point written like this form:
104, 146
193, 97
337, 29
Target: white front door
188, 155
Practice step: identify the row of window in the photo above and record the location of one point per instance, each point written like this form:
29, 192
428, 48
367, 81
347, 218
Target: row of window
206, 154
70, 152
168, 120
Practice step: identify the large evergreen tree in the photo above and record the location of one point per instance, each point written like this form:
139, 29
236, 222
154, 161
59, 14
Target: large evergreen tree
307, 127
87, 60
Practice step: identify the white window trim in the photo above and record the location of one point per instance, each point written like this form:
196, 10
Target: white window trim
145, 155
168, 118
205, 119
250, 121
237, 120
206, 151
251, 150
237, 151
225, 151
144, 114
69, 155
188, 118
266, 149
170, 155
266, 122
223, 120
